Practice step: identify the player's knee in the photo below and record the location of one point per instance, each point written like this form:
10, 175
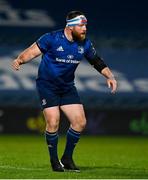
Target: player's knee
79, 123
52, 124
82, 124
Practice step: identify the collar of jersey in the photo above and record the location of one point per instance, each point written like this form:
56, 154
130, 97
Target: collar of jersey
71, 42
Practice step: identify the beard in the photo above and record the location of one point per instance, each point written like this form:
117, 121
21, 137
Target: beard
78, 37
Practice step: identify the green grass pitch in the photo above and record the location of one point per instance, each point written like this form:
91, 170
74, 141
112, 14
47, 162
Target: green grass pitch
26, 157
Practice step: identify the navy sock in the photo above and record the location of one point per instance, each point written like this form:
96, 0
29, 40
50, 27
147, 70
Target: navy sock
72, 139
52, 141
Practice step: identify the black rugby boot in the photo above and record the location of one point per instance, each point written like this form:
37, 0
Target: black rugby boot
69, 164
56, 166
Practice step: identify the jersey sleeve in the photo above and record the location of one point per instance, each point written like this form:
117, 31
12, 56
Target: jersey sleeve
44, 42
90, 51
92, 57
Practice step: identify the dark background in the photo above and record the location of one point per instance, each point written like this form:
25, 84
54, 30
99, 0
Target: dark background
119, 32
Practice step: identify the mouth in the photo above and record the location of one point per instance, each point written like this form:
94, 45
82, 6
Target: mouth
84, 33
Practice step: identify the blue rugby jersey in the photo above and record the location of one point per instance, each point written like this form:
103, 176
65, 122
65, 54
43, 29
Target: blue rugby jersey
61, 57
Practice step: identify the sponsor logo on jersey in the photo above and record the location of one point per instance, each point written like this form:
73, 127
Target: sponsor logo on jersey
71, 61
70, 56
60, 48
80, 49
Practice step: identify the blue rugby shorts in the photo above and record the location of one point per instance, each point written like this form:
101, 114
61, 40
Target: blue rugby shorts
50, 97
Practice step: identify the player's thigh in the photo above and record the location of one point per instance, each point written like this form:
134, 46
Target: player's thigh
52, 116
75, 114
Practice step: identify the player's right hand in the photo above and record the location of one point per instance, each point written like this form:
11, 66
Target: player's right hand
16, 64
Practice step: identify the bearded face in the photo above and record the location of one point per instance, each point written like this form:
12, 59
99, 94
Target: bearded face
79, 32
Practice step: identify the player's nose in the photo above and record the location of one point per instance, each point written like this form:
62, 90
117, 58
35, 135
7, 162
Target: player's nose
84, 28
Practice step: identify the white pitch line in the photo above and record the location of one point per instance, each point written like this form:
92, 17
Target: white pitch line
20, 168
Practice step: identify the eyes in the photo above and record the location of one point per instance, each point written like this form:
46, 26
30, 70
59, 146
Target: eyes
82, 25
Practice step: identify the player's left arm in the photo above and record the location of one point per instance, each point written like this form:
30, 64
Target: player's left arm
111, 81
99, 64
102, 68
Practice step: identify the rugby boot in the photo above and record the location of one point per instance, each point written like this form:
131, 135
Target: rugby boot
56, 166
69, 164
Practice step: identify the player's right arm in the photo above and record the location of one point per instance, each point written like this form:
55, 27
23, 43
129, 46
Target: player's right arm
26, 56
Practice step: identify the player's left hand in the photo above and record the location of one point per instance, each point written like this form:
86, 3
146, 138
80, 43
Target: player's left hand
112, 83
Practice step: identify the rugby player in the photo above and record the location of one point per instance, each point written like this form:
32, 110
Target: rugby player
62, 51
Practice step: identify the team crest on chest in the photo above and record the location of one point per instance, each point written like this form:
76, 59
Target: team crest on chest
80, 49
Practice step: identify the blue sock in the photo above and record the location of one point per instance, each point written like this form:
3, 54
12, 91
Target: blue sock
72, 139
52, 141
